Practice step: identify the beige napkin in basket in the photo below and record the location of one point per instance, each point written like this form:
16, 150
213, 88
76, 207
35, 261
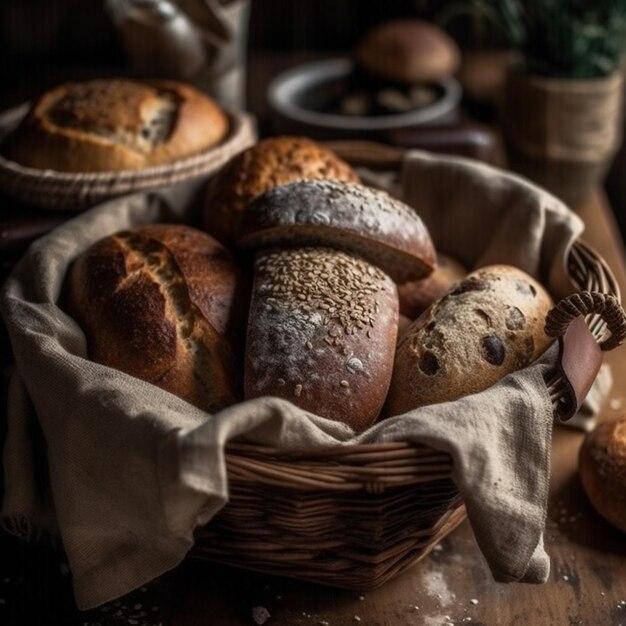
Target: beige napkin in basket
132, 469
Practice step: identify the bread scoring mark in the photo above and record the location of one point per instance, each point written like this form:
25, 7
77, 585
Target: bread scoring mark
192, 328
136, 115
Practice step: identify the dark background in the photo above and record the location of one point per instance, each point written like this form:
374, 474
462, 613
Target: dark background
43, 42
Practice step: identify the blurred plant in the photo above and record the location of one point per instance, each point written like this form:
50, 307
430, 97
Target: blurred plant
556, 38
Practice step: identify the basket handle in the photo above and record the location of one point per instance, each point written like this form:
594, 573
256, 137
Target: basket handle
580, 322
585, 303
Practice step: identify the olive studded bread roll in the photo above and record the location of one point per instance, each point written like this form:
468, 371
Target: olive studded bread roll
115, 124
488, 326
162, 303
272, 162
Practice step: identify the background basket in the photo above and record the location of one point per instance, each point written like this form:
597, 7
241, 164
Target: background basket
48, 189
354, 516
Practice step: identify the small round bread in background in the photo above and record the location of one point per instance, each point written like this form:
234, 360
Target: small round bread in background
110, 125
408, 51
270, 163
602, 468
415, 297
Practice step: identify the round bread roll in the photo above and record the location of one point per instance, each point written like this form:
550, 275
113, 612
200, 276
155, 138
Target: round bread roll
163, 303
602, 468
111, 125
271, 162
358, 219
408, 51
415, 297
489, 325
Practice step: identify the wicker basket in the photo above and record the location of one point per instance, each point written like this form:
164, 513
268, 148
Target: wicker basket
355, 516
68, 191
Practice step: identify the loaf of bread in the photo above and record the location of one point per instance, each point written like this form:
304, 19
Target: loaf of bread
111, 125
163, 303
490, 324
602, 468
407, 51
416, 296
271, 162
324, 312
351, 217
321, 333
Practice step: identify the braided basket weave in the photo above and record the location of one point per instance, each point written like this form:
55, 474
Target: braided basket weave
354, 516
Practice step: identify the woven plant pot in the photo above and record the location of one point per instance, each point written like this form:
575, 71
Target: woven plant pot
563, 134
48, 189
355, 516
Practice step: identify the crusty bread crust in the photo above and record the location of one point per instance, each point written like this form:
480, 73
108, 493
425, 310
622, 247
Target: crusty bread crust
416, 296
321, 333
272, 162
602, 467
489, 325
161, 303
408, 51
114, 125
351, 217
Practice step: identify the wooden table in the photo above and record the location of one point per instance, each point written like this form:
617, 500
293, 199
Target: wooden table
453, 585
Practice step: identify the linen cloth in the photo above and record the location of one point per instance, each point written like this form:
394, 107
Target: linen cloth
130, 469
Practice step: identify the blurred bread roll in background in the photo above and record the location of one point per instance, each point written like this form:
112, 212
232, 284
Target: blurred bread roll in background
602, 468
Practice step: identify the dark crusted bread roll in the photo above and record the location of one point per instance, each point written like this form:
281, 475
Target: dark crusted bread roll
162, 303
416, 296
488, 326
110, 125
321, 333
324, 311
351, 217
271, 162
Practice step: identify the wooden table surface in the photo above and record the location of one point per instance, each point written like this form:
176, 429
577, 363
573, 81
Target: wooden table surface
452, 586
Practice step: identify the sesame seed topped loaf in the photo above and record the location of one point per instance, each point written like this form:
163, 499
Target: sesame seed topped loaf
367, 222
322, 333
111, 125
489, 325
272, 162
323, 318
162, 303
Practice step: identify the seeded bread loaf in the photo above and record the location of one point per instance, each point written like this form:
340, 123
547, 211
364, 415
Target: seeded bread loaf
162, 303
602, 468
491, 324
321, 333
112, 125
270, 163
416, 296
323, 317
